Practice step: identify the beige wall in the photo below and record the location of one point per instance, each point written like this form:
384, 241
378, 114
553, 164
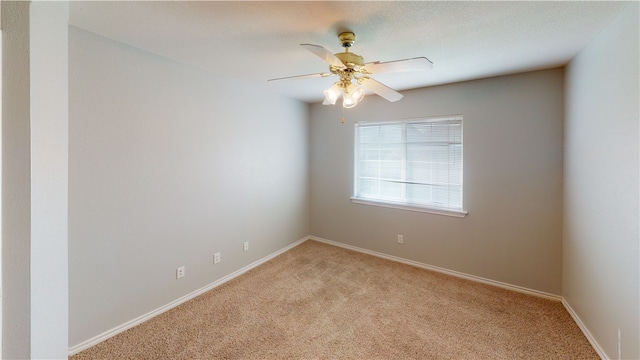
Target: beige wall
167, 165
601, 260
512, 181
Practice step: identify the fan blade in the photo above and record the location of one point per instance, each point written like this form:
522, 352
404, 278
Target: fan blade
296, 77
324, 54
406, 65
380, 89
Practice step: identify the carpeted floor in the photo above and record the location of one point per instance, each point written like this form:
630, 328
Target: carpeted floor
318, 301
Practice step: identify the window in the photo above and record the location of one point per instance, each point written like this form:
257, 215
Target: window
413, 164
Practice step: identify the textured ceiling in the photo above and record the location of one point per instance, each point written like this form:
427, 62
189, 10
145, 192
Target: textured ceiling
253, 41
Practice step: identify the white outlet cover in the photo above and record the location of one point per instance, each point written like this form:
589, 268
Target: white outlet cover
216, 258
180, 272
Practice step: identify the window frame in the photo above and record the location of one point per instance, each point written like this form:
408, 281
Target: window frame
405, 205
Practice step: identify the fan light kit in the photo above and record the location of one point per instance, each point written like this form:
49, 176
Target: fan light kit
353, 73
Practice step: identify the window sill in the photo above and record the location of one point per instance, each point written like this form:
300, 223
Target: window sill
401, 206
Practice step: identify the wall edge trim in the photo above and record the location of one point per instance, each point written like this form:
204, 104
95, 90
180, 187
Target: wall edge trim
584, 330
479, 279
140, 319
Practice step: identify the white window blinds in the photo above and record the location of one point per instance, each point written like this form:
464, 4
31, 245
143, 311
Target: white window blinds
415, 163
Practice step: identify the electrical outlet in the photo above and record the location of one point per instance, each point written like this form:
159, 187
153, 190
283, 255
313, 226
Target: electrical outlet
216, 258
180, 272
246, 246
400, 239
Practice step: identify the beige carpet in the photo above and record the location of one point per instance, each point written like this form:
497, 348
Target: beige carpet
318, 301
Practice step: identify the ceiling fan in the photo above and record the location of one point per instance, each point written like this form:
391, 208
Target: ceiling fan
354, 73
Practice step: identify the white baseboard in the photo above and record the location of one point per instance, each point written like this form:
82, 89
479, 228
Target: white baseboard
139, 320
585, 330
517, 288
520, 289
110, 333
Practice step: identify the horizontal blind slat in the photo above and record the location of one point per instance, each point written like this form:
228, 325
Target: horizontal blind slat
414, 162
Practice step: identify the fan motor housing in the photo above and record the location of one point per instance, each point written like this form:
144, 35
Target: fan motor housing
350, 58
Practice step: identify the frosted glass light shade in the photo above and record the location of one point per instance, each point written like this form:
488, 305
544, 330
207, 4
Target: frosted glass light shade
331, 95
353, 94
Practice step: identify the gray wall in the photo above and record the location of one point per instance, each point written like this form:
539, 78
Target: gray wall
512, 181
34, 180
167, 165
601, 212
16, 182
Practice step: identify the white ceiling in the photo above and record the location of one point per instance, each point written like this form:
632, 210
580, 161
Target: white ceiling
254, 41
